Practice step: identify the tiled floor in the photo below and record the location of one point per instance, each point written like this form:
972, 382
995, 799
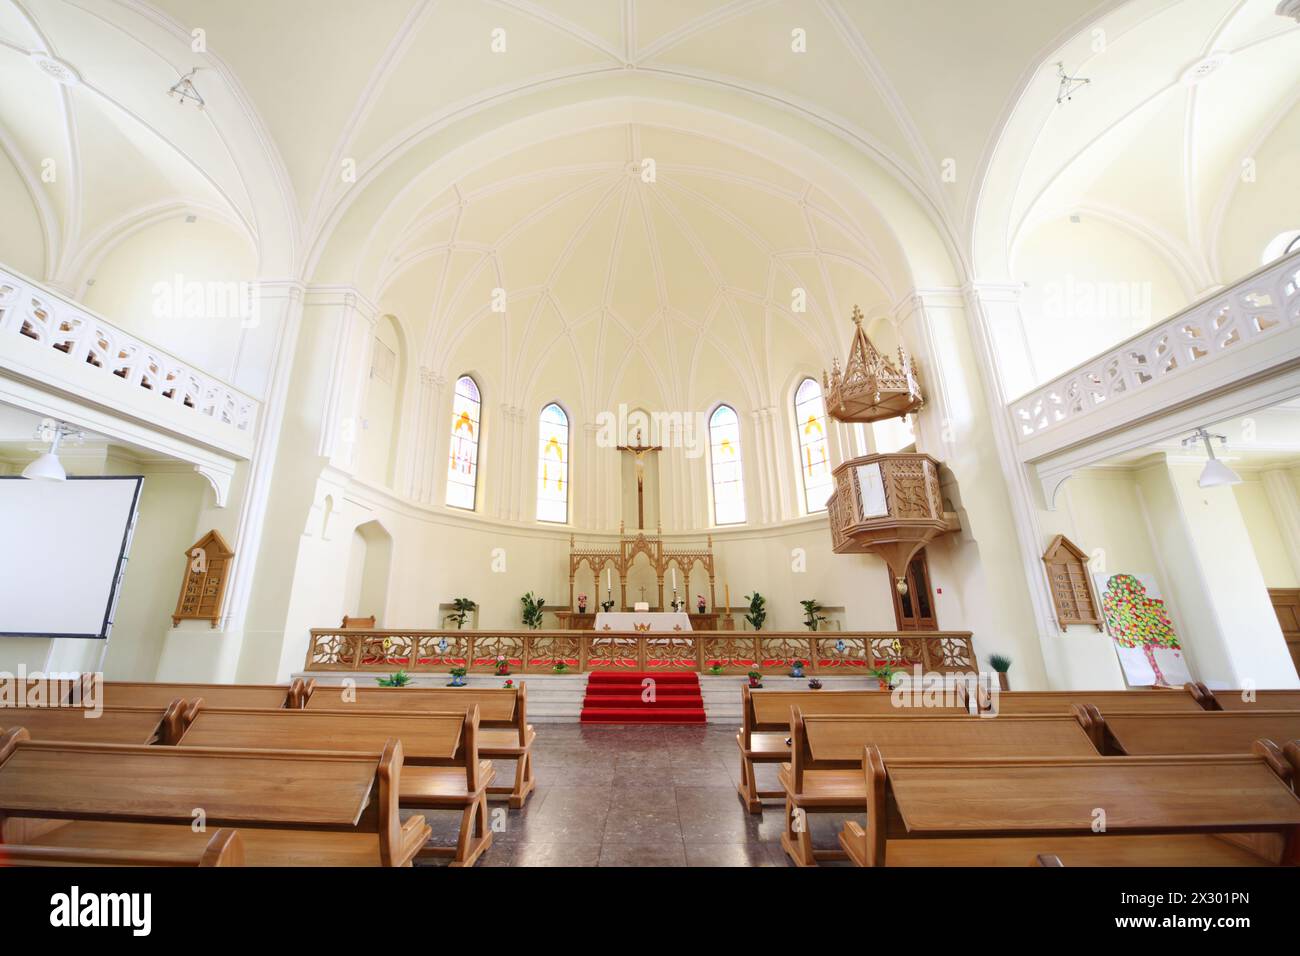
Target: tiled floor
637, 796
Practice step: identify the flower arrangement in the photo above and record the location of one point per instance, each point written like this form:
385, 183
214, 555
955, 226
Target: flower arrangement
814, 684
582, 604
715, 668
458, 676
503, 665
699, 602
560, 667
510, 682
755, 678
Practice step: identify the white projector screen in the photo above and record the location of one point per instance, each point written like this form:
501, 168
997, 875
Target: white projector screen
63, 548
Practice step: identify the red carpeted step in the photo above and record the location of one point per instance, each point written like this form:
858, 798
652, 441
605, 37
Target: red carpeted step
615, 698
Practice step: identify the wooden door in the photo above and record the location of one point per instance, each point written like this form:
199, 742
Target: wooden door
914, 611
1286, 605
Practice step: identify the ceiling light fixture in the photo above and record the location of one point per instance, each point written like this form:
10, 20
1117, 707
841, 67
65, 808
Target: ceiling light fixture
1203, 67
183, 90
1068, 85
48, 467
1215, 473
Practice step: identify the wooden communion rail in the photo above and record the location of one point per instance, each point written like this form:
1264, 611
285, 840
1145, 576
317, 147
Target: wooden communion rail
831, 652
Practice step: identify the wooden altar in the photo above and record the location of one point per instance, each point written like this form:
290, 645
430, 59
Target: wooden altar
709, 621
660, 557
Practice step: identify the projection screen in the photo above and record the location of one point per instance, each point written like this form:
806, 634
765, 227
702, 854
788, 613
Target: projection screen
63, 548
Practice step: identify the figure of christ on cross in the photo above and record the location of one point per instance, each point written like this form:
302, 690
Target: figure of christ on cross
639, 451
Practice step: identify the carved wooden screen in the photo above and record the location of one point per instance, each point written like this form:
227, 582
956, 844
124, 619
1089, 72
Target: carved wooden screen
207, 565
1067, 576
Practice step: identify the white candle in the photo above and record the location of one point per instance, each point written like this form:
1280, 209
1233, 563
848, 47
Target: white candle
607, 579
674, 579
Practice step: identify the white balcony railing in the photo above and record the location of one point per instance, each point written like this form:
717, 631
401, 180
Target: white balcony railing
1264, 305
50, 339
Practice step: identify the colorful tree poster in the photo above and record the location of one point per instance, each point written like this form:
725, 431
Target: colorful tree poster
1139, 624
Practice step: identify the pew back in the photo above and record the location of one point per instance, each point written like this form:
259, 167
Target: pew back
498, 706
146, 694
1209, 732
426, 738
1236, 700
112, 725
1017, 702
765, 711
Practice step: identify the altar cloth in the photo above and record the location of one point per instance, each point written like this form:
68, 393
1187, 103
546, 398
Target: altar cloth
653, 621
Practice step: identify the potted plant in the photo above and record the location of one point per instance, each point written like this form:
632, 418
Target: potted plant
464, 607
560, 667
796, 668
582, 604
510, 682
812, 615
607, 606
716, 669
699, 603
458, 676
755, 679
532, 610
1001, 663
400, 679
814, 684
757, 610
884, 674
503, 665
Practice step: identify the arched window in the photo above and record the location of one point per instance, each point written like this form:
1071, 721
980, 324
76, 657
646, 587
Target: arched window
462, 468
724, 456
814, 455
553, 465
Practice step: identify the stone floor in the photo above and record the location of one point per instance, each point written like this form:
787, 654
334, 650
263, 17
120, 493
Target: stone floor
637, 796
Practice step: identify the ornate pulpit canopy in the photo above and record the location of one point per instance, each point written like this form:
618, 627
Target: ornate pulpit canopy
871, 387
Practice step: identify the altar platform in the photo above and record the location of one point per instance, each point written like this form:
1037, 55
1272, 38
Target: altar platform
586, 621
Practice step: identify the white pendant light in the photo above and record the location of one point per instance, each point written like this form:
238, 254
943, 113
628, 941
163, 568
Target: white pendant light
1215, 474
48, 467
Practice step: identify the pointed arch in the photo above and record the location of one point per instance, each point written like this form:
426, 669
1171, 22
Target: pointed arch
466, 431
814, 450
553, 465
726, 472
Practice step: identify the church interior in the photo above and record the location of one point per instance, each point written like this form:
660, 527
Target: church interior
720, 433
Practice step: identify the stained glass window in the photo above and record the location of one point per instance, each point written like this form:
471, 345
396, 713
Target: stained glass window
462, 468
724, 456
553, 465
814, 455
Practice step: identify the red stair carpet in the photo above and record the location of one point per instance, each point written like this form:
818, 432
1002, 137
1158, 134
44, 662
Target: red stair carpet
616, 698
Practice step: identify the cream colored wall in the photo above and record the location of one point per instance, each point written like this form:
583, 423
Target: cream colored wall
22, 240
1070, 271
1266, 206
1262, 526
131, 286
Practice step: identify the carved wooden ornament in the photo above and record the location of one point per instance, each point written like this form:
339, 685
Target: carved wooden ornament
1070, 583
207, 567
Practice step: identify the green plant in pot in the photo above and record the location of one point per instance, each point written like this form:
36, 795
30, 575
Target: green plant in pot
755, 678
757, 610
812, 616
532, 610
458, 676
796, 668
463, 608
884, 673
716, 669
560, 668
400, 679
1001, 663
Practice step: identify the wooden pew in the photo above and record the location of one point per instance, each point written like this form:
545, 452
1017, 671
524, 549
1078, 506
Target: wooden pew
292, 808
765, 727
825, 769
1248, 700
1015, 702
505, 733
1224, 810
224, 849
441, 770
151, 694
112, 725
1210, 732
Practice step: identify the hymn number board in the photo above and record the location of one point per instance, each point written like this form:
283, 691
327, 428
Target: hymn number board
1067, 575
207, 564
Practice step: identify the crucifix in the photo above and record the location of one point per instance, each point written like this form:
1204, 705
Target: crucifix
639, 451
643, 594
